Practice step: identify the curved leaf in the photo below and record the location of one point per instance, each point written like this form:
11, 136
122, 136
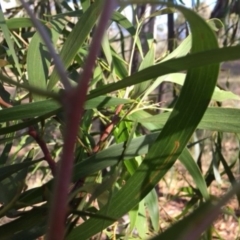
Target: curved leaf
186, 115
15, 23
38, 57
77, 37
214, 119
204, 58
30, 110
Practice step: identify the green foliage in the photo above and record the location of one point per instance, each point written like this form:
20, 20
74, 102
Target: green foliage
117, 165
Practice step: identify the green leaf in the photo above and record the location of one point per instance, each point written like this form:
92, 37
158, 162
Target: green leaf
77, 37
5, 152
151, 201
10, 81
5, 95
182, 50
214, 119
107, 50
9, 170
205, 58
133, 214
191, 166
35, 109
178, 78
222, 95
39, 59
162, 12
85, 4
10, 184
26, 123
70, 13
32, 219
126, 24
6, 34
147, 62
215, 23
141, 221
16, 23
119, 65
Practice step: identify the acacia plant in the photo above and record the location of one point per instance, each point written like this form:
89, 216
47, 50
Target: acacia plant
70, 75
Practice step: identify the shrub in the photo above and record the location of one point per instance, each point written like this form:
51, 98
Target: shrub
97, 181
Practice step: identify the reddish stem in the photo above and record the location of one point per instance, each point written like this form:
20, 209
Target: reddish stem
105, 134
108, 129
73, 103
47, 156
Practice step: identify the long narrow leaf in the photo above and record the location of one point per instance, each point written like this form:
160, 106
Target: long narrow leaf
38, 57
204, 58
214, 119
9, 41
30, 110
77, 37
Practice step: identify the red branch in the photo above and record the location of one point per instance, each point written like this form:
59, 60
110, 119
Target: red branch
108, 129
104, 136
73, 104
47, 156
35, 135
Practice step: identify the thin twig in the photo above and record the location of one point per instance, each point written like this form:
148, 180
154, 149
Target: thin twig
57, 60
107, 131
73, 103
35, 135
20, 37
